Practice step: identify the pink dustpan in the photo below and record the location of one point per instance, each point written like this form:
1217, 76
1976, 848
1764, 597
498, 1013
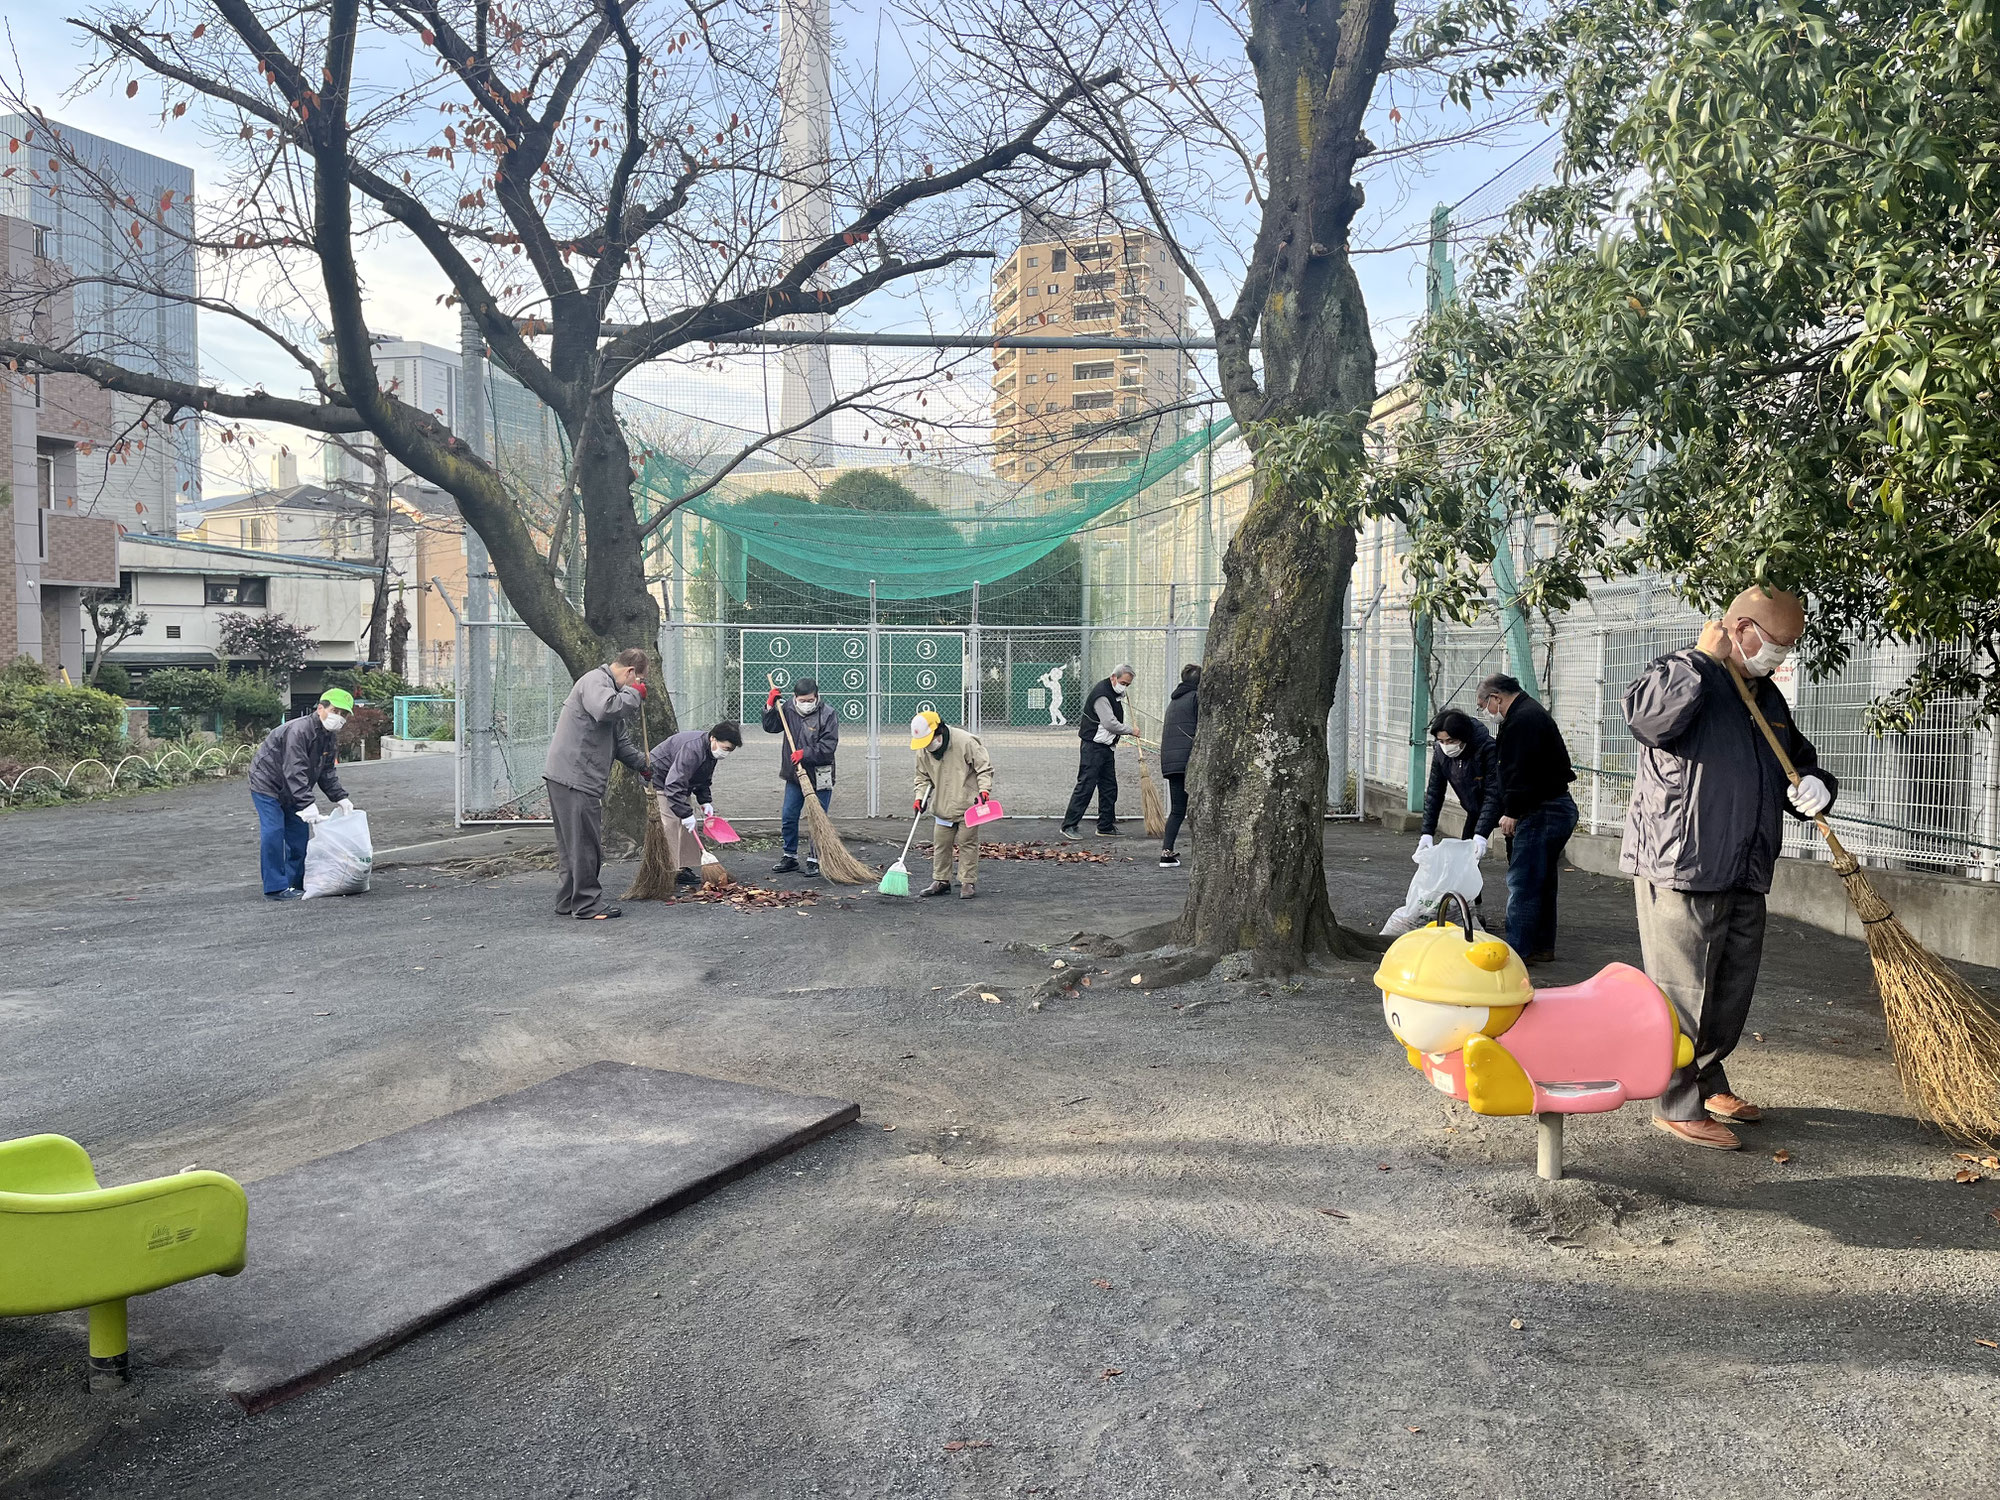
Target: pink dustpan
720, 832
983, 812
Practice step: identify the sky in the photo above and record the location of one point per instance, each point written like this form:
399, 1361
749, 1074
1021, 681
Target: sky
404, 288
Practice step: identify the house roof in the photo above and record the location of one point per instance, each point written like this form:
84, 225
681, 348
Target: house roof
245, 554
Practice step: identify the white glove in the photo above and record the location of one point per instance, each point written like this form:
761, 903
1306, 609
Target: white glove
310, 813
689, 822
345, 804
1479, 846
1811, 796
708, 809
1423, 843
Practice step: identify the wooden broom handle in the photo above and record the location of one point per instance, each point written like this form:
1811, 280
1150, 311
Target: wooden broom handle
1784, 761
799, 767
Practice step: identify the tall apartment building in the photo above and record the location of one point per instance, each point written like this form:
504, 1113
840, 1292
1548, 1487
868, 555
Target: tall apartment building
1059, 415
77, 191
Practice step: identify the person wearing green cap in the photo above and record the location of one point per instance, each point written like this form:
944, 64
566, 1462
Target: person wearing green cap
296, 757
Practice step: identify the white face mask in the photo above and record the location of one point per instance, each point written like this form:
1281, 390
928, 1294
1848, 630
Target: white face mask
722, 752
1120, 687
335, 722
1768, 657
1450, 749
805, 705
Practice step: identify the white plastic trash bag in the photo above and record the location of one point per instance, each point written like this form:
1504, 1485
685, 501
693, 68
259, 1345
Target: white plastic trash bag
340, 857
1448, 865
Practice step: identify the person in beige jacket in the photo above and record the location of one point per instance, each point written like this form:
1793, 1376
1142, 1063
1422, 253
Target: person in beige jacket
953, 772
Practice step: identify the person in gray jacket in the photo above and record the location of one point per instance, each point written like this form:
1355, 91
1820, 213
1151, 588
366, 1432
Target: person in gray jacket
590, 733
813, 743
1702, 838
683, 767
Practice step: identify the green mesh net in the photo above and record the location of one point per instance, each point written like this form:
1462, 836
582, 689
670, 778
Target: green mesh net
915, 551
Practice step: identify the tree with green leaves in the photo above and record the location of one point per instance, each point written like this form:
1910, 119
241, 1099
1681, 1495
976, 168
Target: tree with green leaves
1754, 334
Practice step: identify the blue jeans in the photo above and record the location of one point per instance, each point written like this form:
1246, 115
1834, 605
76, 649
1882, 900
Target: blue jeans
282, 836
795, 803
1534, 859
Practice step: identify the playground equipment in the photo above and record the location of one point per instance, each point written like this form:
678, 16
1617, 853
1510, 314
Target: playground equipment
1461, 1004
66, 1243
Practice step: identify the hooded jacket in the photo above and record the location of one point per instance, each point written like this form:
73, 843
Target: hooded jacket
590, 733
1474, 776
956, 778
683, 766
817, 733
1177, 729
295, 757
1707, 793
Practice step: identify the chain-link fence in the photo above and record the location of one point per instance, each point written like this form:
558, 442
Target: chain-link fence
424, 718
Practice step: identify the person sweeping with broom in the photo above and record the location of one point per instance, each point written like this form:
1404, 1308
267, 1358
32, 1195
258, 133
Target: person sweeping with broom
953, 772
811, 740
1702, 838
683, 770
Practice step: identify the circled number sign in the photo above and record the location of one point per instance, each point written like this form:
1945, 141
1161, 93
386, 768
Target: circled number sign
854, 679
927, 680
780, 646
851, 710
852, 648
927, 650
782, 676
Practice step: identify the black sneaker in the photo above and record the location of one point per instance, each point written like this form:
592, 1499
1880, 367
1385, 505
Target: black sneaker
1107, 833
291, 895
1071, 832
785, 866
812, 864
686, 878
1169, 860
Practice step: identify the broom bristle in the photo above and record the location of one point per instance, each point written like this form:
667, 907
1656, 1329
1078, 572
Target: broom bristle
712, 871
1944, 1035
655, 880
1151, 804
834, 861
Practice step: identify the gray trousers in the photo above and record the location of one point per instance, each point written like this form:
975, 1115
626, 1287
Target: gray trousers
579, 820
1703, 948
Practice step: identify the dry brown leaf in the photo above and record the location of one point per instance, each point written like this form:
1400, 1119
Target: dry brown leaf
1381, 1166
1101, 1284
1963, 1156
1990, 1161
1986, 1344
1137, 977
1516, 1323
1109, 1373
1781, 1155
1334, 1213
888, 1127
1966, 1174
989, 997
1413, 1429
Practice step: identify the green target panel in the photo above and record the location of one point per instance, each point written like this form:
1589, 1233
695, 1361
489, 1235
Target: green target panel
920, 671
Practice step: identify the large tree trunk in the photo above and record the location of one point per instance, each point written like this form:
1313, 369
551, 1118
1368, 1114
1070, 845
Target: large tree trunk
1260, 761
378, 612
1257, 784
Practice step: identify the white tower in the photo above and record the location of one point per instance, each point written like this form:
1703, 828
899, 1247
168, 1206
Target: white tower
805, 53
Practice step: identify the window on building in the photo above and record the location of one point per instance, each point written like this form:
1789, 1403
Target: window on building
1034, 260
1088, 310
1092, 252
45, 480
1096, 281
36, 382
1059, 260
41, 243
1090, 400
1097, 370
1048, 406
1135, 255
241, 593
1129, 407
1034, 291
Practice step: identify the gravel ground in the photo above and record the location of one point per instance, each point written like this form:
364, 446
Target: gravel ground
1076, 1250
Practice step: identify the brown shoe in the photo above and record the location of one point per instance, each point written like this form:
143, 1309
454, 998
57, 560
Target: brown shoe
966, 893
1714, 1136
1736, 1111
935, 888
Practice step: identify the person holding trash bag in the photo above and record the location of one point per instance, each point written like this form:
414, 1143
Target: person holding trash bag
1101, 725
683, 767
590, 733
1702, 837
1176, 746
1465, 757
296, 757
1537, 813
953, 772
815, 740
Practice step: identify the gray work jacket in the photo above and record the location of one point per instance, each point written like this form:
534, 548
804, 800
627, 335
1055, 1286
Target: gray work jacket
1708, 792
591, 733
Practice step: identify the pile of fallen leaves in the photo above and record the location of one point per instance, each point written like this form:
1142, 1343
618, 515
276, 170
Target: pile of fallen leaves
1055, 853
1974, 1160
748, 897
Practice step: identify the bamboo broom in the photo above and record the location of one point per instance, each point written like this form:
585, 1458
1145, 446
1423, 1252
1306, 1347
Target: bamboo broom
1151, 803
658, 864
1944, 1036
834, 861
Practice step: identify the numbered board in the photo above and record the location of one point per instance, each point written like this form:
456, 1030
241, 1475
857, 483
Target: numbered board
920, 671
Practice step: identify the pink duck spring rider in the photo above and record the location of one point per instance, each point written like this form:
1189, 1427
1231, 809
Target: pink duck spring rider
1460, 1003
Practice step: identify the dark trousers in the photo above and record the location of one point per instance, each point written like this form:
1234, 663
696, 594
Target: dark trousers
1176, 808
1096, 772
1703, 948
795, 805
282, 836
579, 820
1534, 860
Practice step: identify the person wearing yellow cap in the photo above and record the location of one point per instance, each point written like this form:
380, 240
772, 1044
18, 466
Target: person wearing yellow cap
296, 757
953, 772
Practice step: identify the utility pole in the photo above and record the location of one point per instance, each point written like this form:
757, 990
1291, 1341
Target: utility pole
805, 129
475, 673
